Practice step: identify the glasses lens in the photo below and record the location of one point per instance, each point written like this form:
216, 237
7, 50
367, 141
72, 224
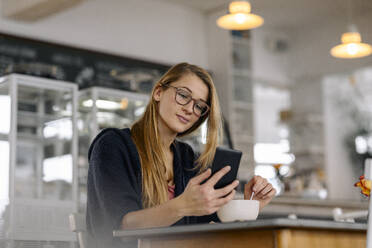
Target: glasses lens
183, 97
200, 108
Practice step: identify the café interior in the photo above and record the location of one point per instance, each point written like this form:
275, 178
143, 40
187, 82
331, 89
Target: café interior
294, 85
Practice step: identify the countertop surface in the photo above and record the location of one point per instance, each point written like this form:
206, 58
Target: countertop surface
257, 224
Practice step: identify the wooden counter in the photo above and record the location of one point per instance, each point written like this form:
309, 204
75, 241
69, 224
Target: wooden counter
278, 233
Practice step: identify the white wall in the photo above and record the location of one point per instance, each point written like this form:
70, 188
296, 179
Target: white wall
151, 30
267, 64
219, 60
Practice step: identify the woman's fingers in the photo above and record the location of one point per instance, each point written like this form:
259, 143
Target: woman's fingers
259, 184
218, 175
254, 185
223, 200
227, 189
270, 194
200, 178
267, 188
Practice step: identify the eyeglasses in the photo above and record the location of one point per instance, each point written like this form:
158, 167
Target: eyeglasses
184, 97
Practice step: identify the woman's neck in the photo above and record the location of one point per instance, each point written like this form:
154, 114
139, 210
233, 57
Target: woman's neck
166, 140
166, 135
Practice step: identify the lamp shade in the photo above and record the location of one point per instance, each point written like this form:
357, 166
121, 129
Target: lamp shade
351, 47
240, 17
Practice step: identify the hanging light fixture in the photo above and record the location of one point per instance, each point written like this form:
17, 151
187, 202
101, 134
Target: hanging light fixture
240, 17
351, 42
351, 46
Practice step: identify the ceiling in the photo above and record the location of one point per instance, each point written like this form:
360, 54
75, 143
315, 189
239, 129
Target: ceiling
277, 13
291, 13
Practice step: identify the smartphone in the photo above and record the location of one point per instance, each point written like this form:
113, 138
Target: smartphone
222, 158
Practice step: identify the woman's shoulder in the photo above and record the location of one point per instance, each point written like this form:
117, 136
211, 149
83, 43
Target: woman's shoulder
112, 137
114, 133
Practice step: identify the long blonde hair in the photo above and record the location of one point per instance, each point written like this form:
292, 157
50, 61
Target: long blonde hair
145, 134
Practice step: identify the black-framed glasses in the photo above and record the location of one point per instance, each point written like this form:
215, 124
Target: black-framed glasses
183, 97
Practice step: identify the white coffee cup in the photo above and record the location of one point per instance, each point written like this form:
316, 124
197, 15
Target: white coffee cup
239, 210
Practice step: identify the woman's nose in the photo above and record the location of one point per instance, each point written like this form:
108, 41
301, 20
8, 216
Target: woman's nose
189, 108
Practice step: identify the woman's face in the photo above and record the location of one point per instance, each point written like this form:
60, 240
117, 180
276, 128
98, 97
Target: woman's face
174, 117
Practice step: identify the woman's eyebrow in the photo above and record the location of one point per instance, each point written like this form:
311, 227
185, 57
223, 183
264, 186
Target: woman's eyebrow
184, 87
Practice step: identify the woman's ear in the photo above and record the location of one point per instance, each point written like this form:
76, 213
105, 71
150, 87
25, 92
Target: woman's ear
157, 93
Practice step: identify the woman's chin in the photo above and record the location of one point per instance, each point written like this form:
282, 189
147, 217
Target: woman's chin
180, 129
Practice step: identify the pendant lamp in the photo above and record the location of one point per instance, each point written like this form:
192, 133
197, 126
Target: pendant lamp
351, 46
239, 17
351, 42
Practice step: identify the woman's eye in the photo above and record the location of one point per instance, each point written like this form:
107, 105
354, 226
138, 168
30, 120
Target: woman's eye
183, 95
199, 107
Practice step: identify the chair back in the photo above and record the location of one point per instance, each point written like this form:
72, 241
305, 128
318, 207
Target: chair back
77, 224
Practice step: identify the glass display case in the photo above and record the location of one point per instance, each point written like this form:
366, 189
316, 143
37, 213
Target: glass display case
101, 108
38, 152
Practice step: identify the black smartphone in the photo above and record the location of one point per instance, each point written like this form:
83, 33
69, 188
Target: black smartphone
222, 158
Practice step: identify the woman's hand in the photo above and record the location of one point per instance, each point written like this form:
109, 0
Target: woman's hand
202, 199
263, 190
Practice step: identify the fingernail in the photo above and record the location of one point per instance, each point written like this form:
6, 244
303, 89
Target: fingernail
228, 167
236, 181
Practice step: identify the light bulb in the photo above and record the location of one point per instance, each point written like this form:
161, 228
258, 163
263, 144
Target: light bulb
352, 48
240, 18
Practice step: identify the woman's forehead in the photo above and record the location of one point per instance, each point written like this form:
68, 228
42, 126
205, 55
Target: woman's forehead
194, 85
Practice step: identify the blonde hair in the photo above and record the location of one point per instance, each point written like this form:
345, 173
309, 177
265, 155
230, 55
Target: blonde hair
145, 134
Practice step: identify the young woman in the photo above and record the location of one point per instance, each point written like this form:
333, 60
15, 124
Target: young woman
143, 177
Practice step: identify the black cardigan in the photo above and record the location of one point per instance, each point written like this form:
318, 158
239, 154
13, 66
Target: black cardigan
115, 183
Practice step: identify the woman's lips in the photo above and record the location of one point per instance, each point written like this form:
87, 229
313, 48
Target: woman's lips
183, 119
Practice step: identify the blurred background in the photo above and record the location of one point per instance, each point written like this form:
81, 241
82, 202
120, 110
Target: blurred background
70, 68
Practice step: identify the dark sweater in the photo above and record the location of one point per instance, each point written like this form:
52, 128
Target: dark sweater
115, 183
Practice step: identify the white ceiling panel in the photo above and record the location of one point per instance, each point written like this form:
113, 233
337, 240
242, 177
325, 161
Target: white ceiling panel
291, 13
